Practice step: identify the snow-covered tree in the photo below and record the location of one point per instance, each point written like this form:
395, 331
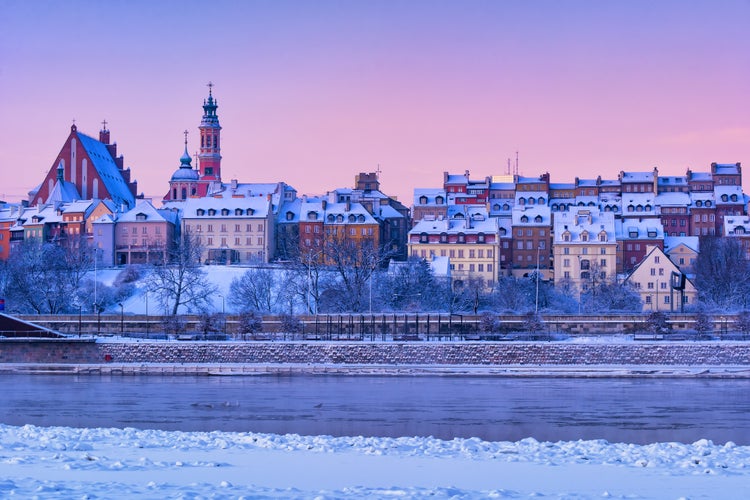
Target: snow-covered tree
181, 282
722, 274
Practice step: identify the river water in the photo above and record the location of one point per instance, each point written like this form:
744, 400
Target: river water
548, 409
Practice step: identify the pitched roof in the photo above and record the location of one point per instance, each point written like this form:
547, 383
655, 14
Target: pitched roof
107, 169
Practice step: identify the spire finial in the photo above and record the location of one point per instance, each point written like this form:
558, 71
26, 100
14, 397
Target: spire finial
104, 124
210, 86
186, 134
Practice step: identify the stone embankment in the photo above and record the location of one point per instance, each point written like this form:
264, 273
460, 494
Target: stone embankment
616, 359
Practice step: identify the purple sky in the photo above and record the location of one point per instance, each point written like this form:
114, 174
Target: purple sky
313, 92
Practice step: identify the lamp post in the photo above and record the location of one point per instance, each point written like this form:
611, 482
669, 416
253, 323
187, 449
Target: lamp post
536, 303
147, 325
223, 314
122, 318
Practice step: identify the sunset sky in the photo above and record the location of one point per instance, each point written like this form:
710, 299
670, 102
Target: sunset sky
312, 92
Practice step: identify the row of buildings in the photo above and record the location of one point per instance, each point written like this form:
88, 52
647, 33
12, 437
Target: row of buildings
641, 227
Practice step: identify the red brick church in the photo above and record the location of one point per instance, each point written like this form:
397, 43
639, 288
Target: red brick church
92, 167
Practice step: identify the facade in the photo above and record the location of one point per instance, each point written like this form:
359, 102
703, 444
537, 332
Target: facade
653, 281
585, 247
531, 229
468, 237
231, 229
634, 237
683, 251
144, 235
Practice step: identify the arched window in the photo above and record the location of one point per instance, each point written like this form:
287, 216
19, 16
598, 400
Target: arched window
423, 200
538, 219
424, 238
524, 219
540, 200
439, 200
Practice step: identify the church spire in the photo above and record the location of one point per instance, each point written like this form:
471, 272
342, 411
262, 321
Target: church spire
210, 132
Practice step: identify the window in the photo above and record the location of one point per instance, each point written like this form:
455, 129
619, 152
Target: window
144, 230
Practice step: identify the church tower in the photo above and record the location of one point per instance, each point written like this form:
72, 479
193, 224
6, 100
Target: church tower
210, 131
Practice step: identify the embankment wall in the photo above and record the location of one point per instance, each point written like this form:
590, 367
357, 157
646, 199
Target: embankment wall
376, 353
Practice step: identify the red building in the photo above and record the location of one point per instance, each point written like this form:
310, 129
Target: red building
93, 167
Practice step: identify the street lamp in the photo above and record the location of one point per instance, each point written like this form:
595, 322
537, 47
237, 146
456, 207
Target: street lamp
147, 325
536, 303
122, 318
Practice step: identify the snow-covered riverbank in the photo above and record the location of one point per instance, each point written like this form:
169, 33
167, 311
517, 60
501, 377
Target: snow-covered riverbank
62, 462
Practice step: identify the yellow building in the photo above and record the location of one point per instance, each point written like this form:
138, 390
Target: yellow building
468, 238
653, 280
585, 247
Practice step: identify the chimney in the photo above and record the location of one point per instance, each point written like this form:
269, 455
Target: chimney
324, 204
234, 184
348, 205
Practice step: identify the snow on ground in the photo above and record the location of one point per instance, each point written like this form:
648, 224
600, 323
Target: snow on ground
60, 462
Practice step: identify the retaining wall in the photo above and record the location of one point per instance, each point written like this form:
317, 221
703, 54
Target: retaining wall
376, 353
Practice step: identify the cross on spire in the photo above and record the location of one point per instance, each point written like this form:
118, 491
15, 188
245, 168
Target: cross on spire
210, 86
186, 134
104, 124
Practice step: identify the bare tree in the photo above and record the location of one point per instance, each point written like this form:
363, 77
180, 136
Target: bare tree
253, 291
353, 262
180, 282
45, 278
722, 273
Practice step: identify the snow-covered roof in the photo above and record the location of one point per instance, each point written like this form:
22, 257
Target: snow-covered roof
676, 180
701, 176
725, 168
107, 169
736, 225
728, 194
145, 208
672, 199
637, 176
531, 215
430, 194
256, 207
466, 225
672, 242
590, 221
634, 229
388, 212
586, 182
561, 185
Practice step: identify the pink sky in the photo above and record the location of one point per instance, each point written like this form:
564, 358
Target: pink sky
313, 92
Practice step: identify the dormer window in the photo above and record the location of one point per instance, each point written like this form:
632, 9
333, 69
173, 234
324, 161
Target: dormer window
584, 236
237, 211
312, 215
496, 207
739, 230
531, 201
424, 238
360, 218
524, 219
541, 200
200, 212
506, 207
140, 217
331, 218
439, 200
538, 219
352, 218
566, 236
631, 208
225, 211
250, 211
290, 215
211, 212
443, 238
724, 197
423, 200
699, 203
340, 218
733, 197
480, 238
461, 238
603, 236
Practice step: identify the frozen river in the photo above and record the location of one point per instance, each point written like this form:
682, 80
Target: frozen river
496, 409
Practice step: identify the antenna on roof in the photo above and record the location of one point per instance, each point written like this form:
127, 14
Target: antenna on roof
507, 171
516, 162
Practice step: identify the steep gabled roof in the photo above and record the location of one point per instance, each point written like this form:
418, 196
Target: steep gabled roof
107, 169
